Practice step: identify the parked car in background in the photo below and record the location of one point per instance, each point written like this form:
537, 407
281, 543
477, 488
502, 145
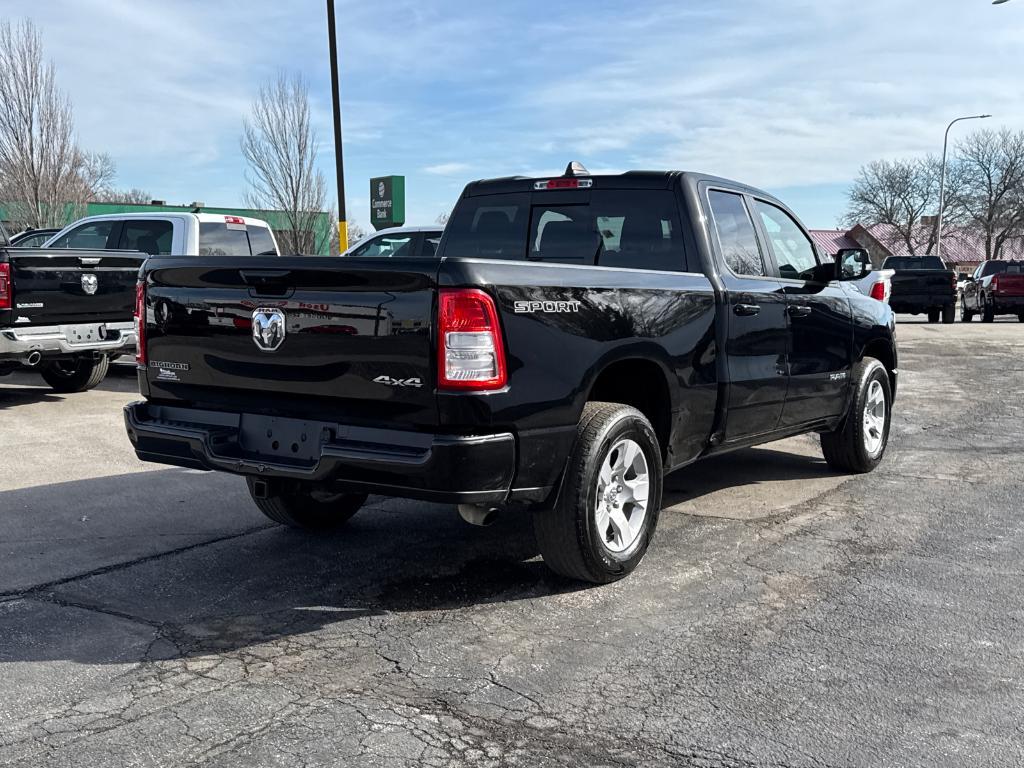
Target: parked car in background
400, 242
66, 313
574, 339
923, 284
995, 288
170, 234
33, 238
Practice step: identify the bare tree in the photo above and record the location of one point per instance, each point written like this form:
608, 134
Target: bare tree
900, 193
43, 171
992, 164
280, 146
133, 196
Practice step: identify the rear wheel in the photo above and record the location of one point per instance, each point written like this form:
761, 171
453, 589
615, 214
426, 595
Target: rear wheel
966, 315
1021, 317
607, 509
76, 375
859, 443
988, 313
948, 313
933, 315
300, 505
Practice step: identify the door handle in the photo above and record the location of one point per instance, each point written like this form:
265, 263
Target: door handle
798, 310
746, 310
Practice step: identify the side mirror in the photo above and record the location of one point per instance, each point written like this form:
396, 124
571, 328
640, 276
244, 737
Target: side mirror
849, 266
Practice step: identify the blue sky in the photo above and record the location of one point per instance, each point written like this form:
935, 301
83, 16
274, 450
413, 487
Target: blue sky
790, 96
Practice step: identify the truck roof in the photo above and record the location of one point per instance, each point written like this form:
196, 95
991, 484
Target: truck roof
203, 218
627, 180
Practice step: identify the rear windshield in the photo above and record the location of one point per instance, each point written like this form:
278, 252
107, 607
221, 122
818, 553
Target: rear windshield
913, 262
216, 239
1001, 267
639, 229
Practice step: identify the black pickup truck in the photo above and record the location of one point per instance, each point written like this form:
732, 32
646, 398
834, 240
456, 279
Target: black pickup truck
574, 339
923, 284
66, 313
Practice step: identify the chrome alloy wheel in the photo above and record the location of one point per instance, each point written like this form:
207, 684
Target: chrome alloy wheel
623, 486
875, 414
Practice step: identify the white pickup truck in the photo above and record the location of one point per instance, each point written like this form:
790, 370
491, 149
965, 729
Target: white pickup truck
170, 233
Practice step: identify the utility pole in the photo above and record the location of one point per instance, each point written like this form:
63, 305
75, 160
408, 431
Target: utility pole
942, 181
338, 159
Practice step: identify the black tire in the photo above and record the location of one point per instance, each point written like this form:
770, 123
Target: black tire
76, 375
845, 449
299, 505
988, 313
966, 315
948, 313
567, 534
1021, 317
933, 315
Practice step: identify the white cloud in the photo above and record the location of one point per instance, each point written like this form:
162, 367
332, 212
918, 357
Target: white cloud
447, 169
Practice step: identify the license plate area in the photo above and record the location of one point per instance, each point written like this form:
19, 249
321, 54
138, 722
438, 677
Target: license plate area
282, 439
78, 335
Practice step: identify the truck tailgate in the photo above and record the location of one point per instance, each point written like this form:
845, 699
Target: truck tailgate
325, 338
922, 282
65, 287
1008, 284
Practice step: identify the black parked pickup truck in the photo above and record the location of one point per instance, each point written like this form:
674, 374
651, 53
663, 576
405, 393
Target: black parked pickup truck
66, 313
574, 339
923, 284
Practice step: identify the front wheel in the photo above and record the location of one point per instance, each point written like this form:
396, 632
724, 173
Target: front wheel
859, 443
76, 375
301, 505
608, 505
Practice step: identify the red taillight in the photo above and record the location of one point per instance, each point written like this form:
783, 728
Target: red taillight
470, 352
140, 322
995, 283
564, 183
954, 282
878, 291
6, 292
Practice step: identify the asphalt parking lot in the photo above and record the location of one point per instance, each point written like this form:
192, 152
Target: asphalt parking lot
785, 616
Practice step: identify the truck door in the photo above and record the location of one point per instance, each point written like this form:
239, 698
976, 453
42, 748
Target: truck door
820, 322
757, 337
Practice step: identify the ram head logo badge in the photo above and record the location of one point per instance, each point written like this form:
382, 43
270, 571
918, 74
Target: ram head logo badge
268, 328
90, 283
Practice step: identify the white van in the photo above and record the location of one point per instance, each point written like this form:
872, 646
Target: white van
170, 233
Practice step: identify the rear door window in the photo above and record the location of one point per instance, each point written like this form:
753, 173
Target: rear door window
737, 238
153, 237
217, 239
92, 235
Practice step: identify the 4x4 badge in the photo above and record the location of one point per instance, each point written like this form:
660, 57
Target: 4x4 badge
268, 328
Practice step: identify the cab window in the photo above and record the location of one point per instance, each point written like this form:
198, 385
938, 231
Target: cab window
793, 251
386, 246
92, 235
152, 237
736, 236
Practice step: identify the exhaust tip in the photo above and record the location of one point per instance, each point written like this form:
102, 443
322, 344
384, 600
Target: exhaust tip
33, 359
478, 514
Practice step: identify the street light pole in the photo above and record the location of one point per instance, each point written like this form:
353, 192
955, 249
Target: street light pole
336, 99
942, 181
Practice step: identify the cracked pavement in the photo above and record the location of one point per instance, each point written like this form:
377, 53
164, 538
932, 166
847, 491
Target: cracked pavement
785, 615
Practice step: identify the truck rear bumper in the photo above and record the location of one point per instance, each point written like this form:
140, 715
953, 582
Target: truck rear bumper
19, 344
1007, 305
447, 468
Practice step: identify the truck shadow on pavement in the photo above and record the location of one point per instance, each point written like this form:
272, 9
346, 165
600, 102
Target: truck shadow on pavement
13, 396
172, 564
